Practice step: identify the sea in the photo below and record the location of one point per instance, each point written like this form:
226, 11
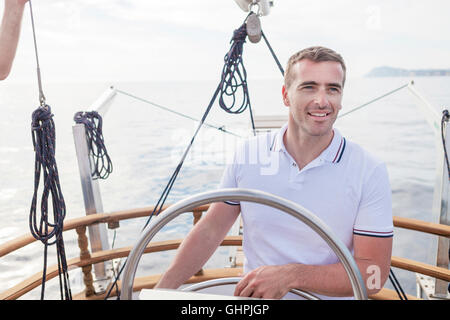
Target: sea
146, 142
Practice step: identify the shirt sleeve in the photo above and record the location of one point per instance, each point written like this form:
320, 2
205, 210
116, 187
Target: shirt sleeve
228, 179
375, 209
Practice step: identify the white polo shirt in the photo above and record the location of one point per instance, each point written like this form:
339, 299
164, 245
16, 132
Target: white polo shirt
345, 186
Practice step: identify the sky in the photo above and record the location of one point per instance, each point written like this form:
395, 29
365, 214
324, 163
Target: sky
149, 40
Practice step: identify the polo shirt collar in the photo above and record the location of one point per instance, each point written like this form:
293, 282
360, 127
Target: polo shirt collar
333, 153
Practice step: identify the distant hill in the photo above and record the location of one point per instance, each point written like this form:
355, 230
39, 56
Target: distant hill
397, 72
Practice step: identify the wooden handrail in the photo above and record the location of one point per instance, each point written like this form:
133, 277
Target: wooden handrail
422, 226
100, 256
420, 267
91, 219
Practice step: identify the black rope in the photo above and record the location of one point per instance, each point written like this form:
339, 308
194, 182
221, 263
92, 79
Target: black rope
396, 284
159, 205
445, 118
101, 165
234, 77
44, 142
273, 53
49, 233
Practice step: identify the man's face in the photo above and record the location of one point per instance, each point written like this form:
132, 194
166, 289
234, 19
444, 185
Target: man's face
314, 96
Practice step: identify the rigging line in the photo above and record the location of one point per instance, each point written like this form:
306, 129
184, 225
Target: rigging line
444, 120
277, 61
41, 92
166, 191
252, 120
233, 60
158, 207
372, 101
227, 86
396, 283
44, 143
177, 113
273, 53
399, 286
156, 210
395, 287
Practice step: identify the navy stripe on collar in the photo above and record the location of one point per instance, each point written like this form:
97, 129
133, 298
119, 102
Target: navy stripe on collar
340, 151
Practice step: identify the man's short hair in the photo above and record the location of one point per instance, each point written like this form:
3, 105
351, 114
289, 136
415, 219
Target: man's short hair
315, 54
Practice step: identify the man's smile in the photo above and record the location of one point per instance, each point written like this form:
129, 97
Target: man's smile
319, 115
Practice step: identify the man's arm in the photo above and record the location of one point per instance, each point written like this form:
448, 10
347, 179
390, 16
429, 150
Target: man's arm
372, 255
9, 34
200, 244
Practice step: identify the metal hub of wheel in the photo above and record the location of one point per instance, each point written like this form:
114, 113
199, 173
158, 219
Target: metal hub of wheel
248, 195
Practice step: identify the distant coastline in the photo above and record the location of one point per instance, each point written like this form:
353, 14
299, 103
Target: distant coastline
398, 72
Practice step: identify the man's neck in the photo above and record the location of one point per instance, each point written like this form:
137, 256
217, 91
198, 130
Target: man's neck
303, 147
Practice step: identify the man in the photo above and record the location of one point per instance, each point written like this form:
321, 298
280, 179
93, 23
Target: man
9, 34
312, 164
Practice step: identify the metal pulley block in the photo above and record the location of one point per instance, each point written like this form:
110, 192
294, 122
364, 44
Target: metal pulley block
263, 6
253, 28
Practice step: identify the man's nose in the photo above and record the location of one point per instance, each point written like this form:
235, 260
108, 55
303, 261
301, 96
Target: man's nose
321, 99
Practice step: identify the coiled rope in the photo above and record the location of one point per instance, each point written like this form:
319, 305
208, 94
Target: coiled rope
234, 77
44, 143
43, 133
101, 165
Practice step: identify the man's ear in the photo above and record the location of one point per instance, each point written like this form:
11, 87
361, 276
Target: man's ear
284, 93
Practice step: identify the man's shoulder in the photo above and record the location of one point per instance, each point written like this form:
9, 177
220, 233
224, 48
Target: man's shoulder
358, 154
364, 166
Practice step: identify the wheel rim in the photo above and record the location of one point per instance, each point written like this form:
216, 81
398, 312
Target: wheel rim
248, 195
